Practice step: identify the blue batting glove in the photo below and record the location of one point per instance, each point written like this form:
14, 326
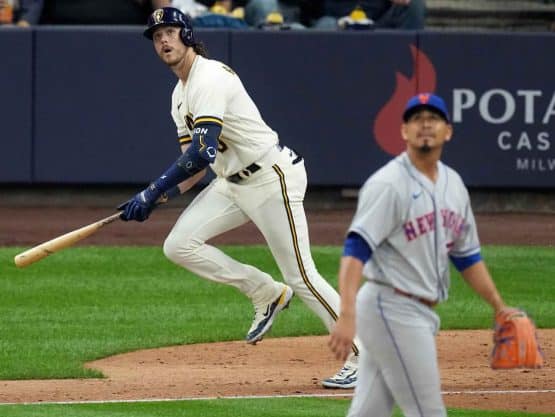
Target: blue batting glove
141, 205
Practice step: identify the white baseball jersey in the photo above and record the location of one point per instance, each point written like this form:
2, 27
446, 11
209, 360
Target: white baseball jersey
404, 217
213, 92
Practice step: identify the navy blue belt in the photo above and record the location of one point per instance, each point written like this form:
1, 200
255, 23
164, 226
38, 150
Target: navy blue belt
252, 168
244, 173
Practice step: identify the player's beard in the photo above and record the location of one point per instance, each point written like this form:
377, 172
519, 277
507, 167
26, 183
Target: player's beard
425, 148
174, 61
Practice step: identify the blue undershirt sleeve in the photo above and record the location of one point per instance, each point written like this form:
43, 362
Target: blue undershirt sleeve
357, 247
461, 263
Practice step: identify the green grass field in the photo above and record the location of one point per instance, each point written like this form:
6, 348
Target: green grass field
91, 302
267, 407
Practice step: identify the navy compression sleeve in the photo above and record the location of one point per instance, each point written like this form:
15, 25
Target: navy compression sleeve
357, 247
198, 156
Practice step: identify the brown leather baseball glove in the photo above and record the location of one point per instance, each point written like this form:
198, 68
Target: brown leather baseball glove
515, 341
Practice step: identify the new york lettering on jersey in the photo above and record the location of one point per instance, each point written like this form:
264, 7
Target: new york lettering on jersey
451, 221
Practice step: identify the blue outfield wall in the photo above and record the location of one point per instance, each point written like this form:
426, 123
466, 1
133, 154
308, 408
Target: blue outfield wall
91, 104
16, 105
501, 90
103, 106
320, 91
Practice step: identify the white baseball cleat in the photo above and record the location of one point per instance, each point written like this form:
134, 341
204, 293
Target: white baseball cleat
345, 378
265, 313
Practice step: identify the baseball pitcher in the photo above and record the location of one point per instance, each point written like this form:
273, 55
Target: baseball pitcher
413, 217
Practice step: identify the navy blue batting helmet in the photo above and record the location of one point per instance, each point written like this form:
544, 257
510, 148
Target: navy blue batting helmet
170, 16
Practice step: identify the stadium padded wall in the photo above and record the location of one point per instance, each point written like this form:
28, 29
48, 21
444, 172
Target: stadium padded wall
91, 104
16, 105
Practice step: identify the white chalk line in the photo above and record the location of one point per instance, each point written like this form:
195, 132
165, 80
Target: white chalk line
253, 397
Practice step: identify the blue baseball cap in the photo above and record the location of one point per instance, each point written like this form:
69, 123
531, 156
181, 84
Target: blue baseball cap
426, 101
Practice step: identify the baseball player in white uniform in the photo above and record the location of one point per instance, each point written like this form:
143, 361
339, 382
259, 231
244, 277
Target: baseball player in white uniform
413, 216
257, 179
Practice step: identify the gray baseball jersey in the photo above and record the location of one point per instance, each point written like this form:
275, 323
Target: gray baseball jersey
404, 217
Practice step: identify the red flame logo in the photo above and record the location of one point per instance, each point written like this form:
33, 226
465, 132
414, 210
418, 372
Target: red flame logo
386, 125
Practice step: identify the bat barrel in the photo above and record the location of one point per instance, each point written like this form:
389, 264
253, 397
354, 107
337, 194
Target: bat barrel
47, 248
31, 256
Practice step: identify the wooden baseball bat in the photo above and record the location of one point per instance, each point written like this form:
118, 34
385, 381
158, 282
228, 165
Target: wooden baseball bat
61, 242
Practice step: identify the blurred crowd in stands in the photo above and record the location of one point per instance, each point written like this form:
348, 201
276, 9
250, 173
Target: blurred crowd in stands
262, 14
259, 14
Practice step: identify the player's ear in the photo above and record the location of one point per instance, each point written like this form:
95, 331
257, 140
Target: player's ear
448, 132
404, 132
